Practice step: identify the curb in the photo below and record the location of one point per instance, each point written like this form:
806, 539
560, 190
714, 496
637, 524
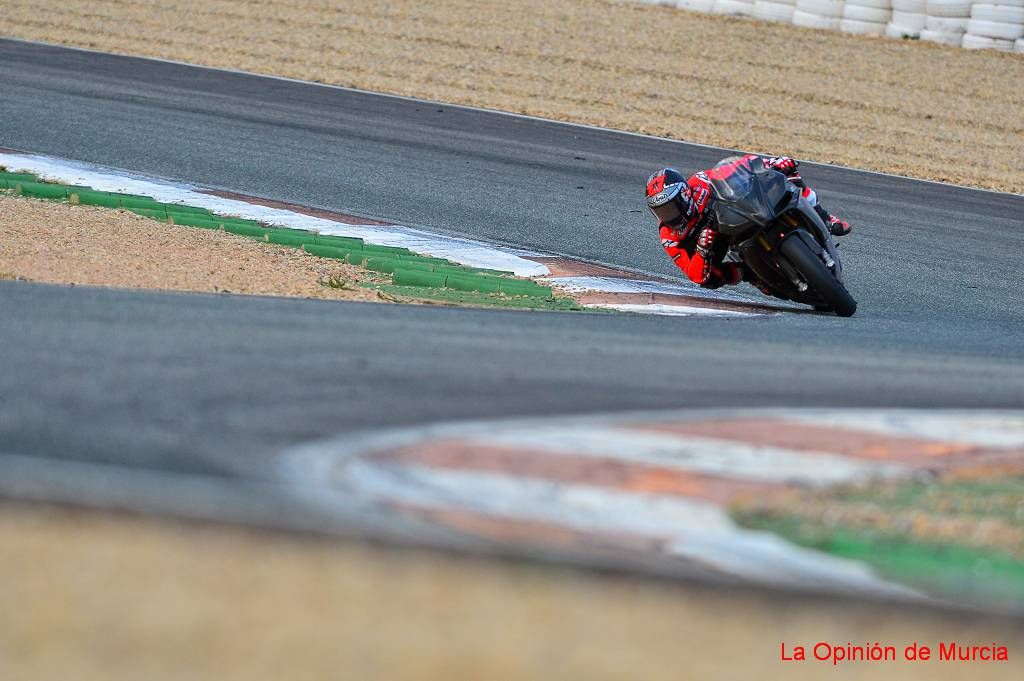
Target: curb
407, 268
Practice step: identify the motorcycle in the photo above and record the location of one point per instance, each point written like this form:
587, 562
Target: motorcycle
771, 227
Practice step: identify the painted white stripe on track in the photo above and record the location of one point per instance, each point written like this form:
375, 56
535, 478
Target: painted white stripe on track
616, 285
982, 429
723, 458
673, 310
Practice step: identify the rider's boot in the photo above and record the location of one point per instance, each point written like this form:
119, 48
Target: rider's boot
837, 226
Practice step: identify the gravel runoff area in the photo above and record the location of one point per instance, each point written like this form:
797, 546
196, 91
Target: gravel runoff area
95, 596
905, 107
64, 244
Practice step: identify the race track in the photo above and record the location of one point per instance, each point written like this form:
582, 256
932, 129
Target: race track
221, 383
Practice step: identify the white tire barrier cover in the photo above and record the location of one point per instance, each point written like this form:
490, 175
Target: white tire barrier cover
808, 20
900, 32
696, 5
953, 39
997, 24
1007, 14
861, 27
859, 12
734, 7
823, 8
911, 20
978, 42
946, 24
949, 8
773, 11
995, 29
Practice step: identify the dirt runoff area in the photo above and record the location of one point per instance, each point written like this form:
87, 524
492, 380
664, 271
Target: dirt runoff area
905, 107
64, 244
90, 596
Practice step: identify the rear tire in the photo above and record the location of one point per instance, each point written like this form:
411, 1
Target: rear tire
818, 276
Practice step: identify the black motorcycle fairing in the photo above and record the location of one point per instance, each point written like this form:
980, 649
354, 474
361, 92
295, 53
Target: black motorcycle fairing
752, 196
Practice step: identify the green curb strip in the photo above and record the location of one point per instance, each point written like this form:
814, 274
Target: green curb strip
409, 270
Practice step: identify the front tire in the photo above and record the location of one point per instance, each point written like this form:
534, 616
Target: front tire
818, 276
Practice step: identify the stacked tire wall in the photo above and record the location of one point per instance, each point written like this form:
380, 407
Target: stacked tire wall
992, 24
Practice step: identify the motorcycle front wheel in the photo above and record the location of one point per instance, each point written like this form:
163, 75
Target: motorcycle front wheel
818, 276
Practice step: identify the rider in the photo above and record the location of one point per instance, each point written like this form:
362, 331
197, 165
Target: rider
687, 231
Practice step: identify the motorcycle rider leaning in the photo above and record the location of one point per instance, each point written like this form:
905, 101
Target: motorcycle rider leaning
688, 234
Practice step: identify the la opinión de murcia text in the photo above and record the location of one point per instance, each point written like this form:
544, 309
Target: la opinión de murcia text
842, 653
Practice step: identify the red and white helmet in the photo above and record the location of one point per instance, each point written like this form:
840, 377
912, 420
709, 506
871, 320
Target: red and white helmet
668, 197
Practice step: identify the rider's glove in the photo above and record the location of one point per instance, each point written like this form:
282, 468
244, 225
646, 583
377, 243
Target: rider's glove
784, 164
706, 241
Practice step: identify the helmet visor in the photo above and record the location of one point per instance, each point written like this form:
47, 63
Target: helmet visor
667, 205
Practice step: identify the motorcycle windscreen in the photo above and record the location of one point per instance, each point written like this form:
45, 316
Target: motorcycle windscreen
746, 197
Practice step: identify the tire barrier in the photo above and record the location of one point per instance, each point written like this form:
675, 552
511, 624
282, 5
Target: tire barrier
866, 17
994, 24
772, 10
819, 14
406, 267
995, 27
704, 6
946, 21
908, 19
735, 7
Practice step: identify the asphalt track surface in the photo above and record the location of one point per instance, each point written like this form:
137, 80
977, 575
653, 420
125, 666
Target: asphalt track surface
220, 383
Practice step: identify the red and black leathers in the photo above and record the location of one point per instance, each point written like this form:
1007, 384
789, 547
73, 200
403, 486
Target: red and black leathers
692, 244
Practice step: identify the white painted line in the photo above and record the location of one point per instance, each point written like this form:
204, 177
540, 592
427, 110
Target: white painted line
616, 285
722, 458
579, 506
672, 310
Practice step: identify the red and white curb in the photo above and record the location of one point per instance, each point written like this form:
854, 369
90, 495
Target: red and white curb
655, 486
594, 285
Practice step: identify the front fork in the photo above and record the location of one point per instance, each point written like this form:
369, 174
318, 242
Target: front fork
815, 234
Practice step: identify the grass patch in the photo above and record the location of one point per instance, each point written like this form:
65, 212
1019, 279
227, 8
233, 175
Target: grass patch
950, 538
1002, 499
340, 284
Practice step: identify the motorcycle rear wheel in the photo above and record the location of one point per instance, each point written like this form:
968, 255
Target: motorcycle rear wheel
818, 276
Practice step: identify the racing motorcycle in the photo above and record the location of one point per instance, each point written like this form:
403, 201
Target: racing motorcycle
775, 232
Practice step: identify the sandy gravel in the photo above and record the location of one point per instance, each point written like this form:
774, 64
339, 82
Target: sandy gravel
899, 106
95, 597
65, 244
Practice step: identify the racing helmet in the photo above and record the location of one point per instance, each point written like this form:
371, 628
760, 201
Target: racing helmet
668, 197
